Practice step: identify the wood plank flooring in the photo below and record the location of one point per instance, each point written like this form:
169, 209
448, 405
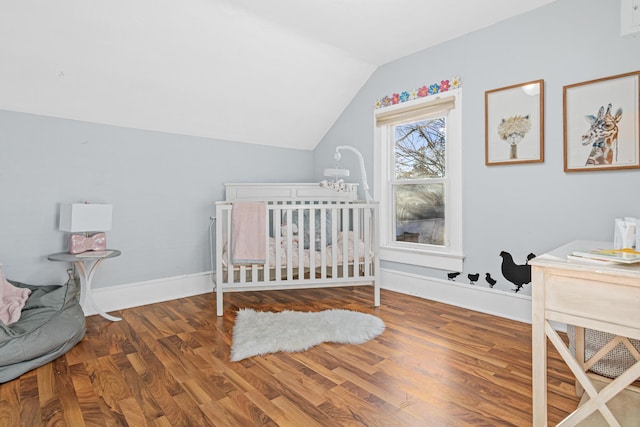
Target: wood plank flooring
167, 364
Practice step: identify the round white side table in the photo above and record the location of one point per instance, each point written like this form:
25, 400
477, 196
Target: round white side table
86, 264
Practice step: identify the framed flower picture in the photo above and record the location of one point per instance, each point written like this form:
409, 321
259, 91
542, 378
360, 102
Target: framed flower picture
514, 124
601, 124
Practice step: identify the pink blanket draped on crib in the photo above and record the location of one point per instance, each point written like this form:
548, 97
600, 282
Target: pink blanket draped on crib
248, 231
12, 300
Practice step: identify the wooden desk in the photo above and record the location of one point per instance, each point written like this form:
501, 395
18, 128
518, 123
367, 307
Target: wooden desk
600, 297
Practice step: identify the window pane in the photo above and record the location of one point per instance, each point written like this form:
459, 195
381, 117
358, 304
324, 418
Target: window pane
420, 213
420, 149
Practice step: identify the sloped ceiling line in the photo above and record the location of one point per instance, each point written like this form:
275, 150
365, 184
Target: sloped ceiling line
209, 67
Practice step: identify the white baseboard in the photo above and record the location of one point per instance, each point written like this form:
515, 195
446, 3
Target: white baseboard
485, 300
498, 303
152, 291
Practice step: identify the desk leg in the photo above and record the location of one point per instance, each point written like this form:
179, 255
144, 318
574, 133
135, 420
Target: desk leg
86, 279
539, 346
579, 339
597, 400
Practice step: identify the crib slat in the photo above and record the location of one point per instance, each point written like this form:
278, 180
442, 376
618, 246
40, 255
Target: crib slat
278, 242
288, 241
323, 243
367, 241
357, 213
265, 266
254, 272
334, 241
345, 242
300, 265
313, 211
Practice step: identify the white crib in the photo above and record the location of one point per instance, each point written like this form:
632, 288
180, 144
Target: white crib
336, 243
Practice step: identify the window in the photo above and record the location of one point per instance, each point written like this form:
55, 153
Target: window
418, 181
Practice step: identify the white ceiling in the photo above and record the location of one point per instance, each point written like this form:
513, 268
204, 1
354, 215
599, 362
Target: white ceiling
274, 72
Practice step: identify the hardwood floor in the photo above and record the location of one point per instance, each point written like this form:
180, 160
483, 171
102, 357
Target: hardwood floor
167, 364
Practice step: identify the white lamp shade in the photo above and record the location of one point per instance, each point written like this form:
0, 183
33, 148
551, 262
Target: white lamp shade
84, 217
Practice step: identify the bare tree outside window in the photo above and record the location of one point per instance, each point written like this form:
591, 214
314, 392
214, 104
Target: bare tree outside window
420, 165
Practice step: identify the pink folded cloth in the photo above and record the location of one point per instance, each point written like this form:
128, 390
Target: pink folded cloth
248, 232
12, 300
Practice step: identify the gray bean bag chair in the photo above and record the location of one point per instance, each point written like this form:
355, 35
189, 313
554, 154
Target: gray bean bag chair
51, 323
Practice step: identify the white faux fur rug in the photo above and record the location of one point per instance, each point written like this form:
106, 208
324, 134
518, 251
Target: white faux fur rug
256, 333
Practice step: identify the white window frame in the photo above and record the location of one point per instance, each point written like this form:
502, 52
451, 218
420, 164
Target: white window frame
450, 255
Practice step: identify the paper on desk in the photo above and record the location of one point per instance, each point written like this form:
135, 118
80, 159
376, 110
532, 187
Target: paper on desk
562, 253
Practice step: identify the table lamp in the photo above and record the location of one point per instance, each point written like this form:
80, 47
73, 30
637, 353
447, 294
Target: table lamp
86, 218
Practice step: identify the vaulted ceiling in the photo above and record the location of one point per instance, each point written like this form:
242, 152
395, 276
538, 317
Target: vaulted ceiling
273, 72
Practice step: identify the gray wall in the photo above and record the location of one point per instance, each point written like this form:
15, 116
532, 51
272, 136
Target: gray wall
162, 187
517, 208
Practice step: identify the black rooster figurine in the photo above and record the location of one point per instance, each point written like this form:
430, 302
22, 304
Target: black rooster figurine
517, 274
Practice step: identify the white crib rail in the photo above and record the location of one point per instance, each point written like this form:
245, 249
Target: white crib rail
345, 254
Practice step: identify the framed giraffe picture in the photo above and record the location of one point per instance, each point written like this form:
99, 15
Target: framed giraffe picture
602, 124
514, 124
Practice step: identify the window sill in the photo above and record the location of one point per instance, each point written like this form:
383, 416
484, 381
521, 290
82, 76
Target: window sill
432, 259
